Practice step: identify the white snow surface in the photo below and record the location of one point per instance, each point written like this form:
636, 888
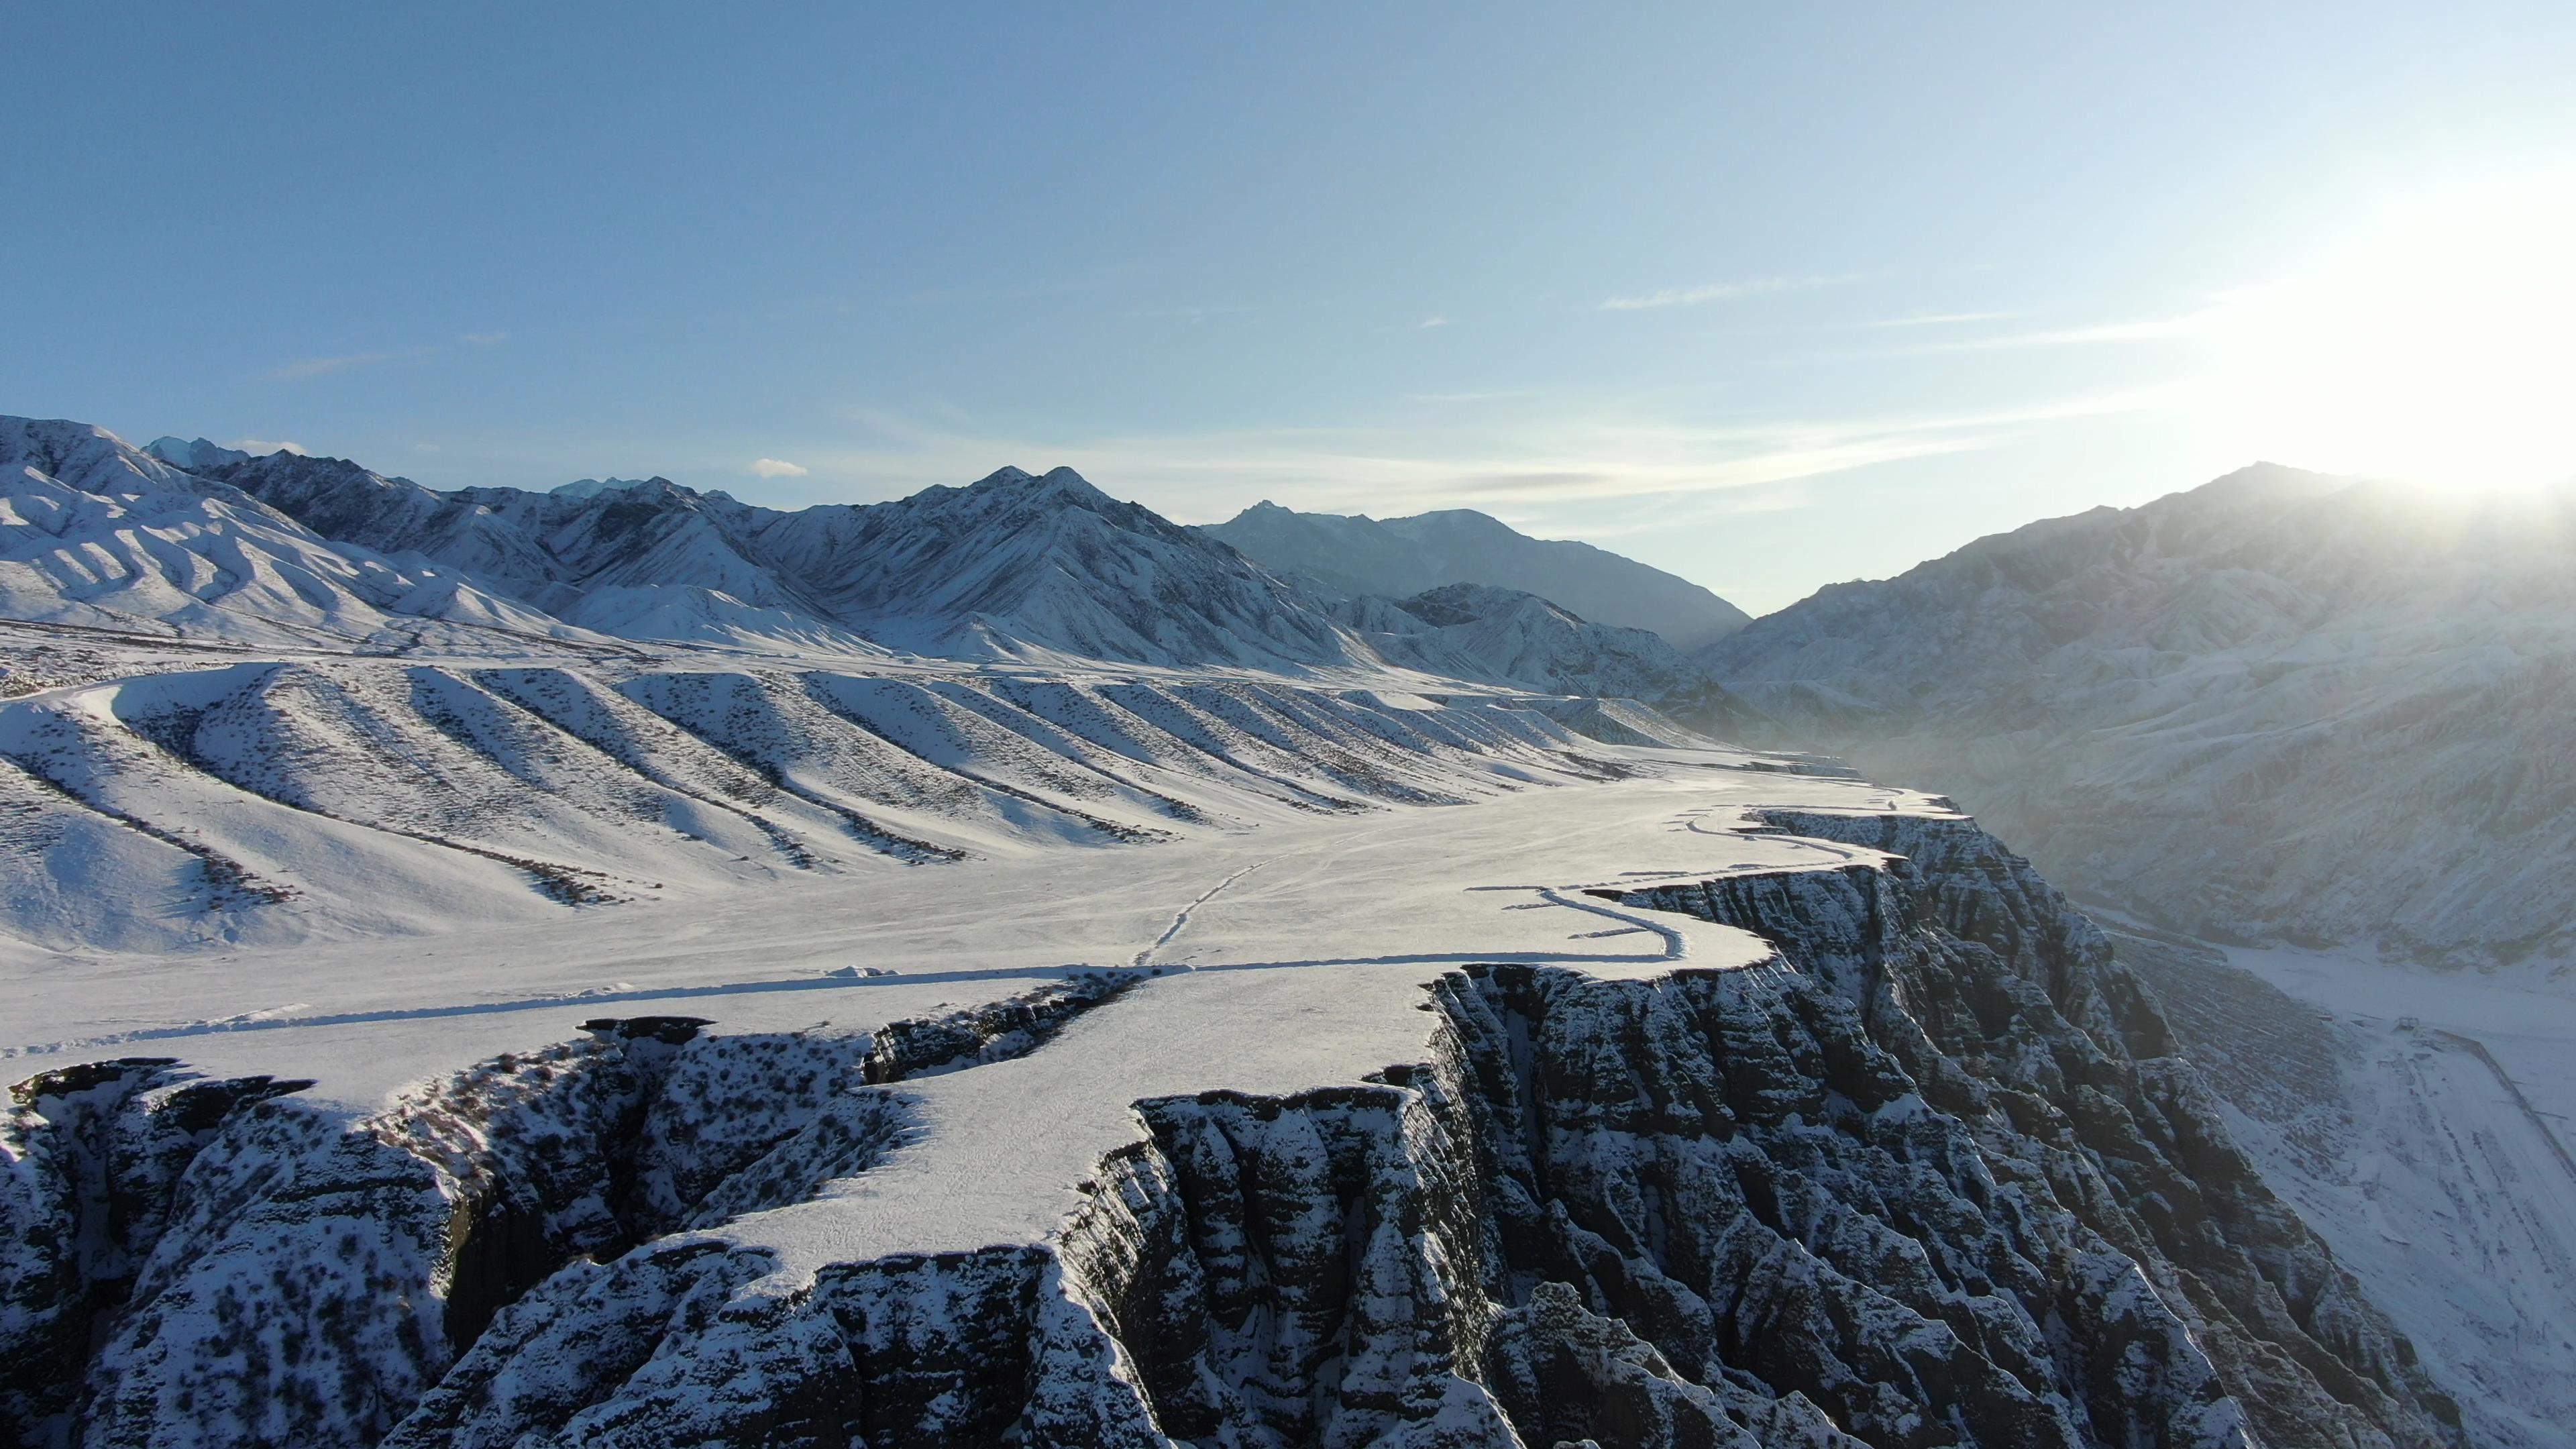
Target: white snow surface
97, 535
2440, 1174
1279, 958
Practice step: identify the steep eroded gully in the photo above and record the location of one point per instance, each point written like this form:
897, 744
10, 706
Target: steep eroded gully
1925, 1177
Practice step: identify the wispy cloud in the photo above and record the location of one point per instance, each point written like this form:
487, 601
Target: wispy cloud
2152, 329
263, 446
1715, 292
345, 362
1942, 319
1517, 462
776, 468
1435, 320
484, 339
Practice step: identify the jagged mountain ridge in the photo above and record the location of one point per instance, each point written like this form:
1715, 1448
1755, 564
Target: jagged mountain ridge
97, 535
1401, 557
1015, 565
1912, 1169
2280, 707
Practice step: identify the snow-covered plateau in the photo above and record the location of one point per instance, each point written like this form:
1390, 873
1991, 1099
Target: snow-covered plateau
1023, 974
1710, 1105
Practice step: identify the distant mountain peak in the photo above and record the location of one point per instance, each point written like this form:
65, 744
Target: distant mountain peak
193, 454
593, 487
1401, 557
1057, 481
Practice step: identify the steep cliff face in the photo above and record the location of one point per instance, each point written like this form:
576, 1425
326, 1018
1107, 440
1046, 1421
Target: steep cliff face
1921, 1178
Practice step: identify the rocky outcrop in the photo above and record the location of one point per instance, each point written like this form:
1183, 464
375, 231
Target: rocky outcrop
1925, 1177
227, 1268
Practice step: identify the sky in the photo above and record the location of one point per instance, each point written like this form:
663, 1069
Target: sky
1766, 296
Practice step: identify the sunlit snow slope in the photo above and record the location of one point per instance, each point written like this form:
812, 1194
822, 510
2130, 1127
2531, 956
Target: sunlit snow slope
2280, 707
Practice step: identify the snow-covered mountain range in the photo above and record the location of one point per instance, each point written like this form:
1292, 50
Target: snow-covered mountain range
1400, 557
1014, 567
2279, 707
1133, 998
99, 535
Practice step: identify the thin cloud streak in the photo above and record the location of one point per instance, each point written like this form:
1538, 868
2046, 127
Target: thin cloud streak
2151, 330
1201, 477
1715, 292
1942, 319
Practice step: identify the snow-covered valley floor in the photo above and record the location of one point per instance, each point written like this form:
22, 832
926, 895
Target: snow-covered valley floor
2420, 1120
1403, 891
2456, 1203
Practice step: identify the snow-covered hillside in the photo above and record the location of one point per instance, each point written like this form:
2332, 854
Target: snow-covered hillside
97, 535
2417, 1121
266, 802
1012, 567
1400, 557
1479, 632
2281, 707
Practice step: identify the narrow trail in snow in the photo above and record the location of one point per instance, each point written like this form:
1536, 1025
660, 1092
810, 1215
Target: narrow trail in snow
1182, 917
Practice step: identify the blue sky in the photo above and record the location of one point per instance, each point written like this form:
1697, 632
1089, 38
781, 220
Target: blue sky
1768, 296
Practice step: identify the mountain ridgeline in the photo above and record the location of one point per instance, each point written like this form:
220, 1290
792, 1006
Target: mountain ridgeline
1033, 568
1136, 997
2283, 707
1400, 557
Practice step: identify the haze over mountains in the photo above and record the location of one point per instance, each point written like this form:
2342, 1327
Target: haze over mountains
1142, 996
1400, 557
2277, 673
2279, 707
1015, 566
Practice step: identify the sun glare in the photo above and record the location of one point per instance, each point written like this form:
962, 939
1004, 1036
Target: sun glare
2438, 345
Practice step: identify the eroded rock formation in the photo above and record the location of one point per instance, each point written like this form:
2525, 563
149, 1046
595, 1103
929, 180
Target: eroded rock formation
1925, 1177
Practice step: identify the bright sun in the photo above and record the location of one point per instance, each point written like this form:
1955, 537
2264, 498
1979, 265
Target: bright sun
2439, 345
